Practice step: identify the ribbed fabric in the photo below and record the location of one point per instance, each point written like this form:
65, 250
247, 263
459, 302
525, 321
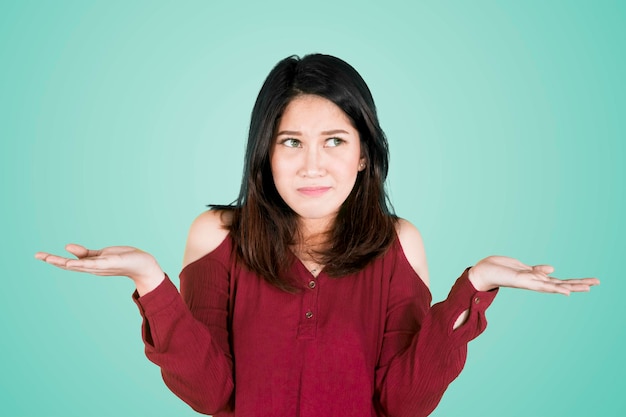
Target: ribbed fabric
367, 344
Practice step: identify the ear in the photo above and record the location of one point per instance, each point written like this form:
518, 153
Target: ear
362, 164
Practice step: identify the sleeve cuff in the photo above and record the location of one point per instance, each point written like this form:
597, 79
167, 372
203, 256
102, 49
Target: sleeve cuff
463, 296
463, 293
158, 299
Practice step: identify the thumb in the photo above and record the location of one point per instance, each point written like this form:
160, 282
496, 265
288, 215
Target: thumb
80, 251
544, 269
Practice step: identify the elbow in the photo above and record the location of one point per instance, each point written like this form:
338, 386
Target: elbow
210, 406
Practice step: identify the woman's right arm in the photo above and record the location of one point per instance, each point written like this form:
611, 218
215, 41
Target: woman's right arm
186, 336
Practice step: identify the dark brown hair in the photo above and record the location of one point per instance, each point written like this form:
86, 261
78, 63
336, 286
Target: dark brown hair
263, 226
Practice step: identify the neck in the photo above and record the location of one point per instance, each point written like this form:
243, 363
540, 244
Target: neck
312, 236
308, 249
313, 230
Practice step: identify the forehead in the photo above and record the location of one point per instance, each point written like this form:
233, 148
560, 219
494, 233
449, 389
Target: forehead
312, 112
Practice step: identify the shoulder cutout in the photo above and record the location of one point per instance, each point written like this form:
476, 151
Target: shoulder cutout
413, 248
206, 233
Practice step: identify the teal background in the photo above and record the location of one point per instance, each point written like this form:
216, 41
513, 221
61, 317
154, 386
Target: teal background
120, 120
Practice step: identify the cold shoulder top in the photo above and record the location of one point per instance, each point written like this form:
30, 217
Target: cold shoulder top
367, 344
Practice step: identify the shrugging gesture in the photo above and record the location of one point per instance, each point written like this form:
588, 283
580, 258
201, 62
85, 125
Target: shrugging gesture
489, 273
316, 301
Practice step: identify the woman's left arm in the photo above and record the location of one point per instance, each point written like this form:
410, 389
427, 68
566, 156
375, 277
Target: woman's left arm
501, 271
412, 379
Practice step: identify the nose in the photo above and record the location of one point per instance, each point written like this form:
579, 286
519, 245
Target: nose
313, 164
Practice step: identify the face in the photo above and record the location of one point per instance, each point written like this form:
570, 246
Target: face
315, 158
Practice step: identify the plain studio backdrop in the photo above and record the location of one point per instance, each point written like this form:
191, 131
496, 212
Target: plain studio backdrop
121, 120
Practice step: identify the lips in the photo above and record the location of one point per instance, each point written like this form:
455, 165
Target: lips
313, 191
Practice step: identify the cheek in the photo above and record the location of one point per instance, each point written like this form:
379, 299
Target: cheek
277, 165
347, 166
281, 173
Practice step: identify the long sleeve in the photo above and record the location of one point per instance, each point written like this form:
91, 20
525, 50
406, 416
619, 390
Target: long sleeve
187, 337
421, 353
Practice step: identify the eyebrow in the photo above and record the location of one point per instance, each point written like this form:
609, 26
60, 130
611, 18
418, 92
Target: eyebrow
325, 133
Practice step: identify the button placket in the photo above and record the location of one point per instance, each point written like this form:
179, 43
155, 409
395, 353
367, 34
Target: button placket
309, 313
307, 327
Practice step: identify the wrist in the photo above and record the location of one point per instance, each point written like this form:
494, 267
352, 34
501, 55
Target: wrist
479, 281
149, 281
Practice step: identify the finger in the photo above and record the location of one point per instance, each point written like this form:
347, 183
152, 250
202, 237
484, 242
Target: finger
544, 269
54, 260
541, 283
100, 272
565, 287
551, 287
41, 256
585, 281
89, 266
80, 251
96, 264
576, 287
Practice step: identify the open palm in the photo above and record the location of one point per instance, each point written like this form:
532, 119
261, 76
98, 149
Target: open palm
502, 271
126, 261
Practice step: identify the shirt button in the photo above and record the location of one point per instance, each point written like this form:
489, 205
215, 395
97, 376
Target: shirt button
309, 314
476, 300
311, 284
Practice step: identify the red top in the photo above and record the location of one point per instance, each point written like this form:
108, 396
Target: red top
366, 344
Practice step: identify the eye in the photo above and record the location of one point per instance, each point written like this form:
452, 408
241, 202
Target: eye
333, 142
291, 143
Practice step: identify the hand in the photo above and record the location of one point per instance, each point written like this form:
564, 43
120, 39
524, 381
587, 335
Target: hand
126, 261
500, 271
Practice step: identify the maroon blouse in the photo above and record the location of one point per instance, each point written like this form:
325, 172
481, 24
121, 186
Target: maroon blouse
367, 344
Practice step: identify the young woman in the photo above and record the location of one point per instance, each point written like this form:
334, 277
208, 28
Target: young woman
309, 297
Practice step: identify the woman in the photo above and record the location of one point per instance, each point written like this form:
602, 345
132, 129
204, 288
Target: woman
308, 296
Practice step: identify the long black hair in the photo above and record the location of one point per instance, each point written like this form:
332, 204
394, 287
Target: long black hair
263, 227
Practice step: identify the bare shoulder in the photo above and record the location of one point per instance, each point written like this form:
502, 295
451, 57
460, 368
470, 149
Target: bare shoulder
206, 233
413, 247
